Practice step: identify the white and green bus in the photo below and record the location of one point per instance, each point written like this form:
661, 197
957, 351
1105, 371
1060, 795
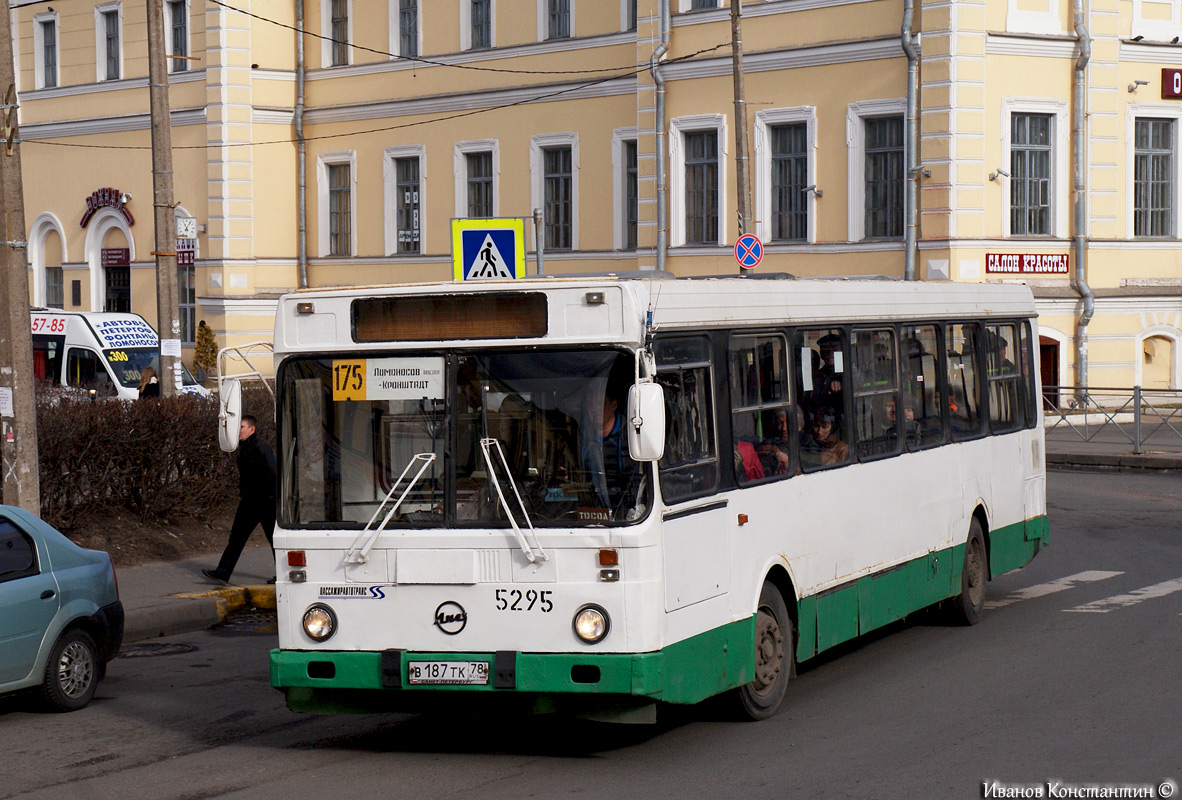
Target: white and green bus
596, 495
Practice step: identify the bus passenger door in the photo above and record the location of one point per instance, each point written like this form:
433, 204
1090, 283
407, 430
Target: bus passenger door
697, 560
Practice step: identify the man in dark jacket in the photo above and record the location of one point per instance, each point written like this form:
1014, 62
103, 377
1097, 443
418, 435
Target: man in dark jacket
256, 506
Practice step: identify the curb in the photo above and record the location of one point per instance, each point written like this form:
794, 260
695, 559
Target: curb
1146, 462
194, 611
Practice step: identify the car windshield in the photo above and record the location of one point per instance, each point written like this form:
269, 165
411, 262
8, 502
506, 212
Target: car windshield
548, 426
128, 365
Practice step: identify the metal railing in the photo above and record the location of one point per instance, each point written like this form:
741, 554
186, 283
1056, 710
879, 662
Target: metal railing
1148, 420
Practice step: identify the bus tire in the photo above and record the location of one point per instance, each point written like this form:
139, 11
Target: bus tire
965, 608
774, 657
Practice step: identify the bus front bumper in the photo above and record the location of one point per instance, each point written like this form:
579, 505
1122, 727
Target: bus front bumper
685, 672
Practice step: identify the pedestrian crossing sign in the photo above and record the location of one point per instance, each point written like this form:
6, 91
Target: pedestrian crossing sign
488, 249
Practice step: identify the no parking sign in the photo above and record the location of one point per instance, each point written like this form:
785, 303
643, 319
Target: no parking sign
748, 251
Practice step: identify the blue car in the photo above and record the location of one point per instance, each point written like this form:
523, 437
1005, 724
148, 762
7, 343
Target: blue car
60, 616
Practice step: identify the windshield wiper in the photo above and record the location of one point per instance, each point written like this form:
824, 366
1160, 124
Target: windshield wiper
359, 553
522, 541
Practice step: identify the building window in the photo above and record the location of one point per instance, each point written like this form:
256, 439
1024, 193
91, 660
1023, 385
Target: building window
339, 31
1030, 174
186, 287
789, 163
481, 16
558, 187
110, 31
696, 5
340, 212
884, 176
46, 50
631, 195
480, 184
701, 187
55, 296
631, 15
406, 172
408, 27
559, 19
178, 23
1153, 177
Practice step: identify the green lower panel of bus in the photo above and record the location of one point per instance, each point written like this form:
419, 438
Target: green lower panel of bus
686, 672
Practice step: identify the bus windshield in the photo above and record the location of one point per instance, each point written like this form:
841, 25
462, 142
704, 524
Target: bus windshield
549, 426
128, 365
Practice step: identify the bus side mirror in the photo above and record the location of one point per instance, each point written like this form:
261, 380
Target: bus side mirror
646, 422
229, 415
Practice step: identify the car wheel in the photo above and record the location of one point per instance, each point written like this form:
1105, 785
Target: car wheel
72, 672
774, 658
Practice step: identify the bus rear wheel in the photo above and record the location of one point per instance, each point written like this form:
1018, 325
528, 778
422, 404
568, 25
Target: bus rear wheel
966, 608
774, 661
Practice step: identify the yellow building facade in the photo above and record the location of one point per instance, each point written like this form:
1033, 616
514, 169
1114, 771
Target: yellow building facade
416, 112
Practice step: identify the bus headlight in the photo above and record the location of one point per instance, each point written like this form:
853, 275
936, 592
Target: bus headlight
319, 622
592, 624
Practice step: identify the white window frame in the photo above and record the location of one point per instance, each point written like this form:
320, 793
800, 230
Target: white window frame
537, 172
395, 29
1134, 111
466, 24
624, 16
168, 20
1155, 29
100, 41
323, 161
326, 31
1020, 20
1158, 331
39, 231
460, 170
619, 184
1060, 169
763, 166
39, 49
855, 138
677, 130
390, 179
544, 20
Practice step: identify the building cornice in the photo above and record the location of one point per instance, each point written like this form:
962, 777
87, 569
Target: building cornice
814, 56
1001, 44
108, 86
98, 125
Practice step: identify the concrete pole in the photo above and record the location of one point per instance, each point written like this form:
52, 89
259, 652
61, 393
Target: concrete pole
742, 162
168, 318
18, 439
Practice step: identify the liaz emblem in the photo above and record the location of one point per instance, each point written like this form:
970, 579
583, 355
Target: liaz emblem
450, 618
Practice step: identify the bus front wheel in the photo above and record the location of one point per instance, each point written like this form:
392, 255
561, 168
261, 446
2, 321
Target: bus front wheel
761, 698
966, 607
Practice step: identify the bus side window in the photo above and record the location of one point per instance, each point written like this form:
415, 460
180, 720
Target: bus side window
964, 394
877, 419
1029, 396
921, 384
820, 392
689, 467
1005, 410
47, 358
761, 418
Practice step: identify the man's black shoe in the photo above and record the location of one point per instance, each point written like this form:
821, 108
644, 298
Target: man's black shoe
213, 575
271, 581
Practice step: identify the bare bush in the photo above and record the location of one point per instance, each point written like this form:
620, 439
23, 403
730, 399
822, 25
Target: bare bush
156, 459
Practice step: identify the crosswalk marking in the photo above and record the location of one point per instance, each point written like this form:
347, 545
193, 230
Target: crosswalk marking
1132, 598
1043, 589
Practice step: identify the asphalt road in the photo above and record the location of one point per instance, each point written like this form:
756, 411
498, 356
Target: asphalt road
1073, 676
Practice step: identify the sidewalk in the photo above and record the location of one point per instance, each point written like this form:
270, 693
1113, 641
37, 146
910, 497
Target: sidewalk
162, 599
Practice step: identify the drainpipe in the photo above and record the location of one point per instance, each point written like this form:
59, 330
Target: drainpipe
302, 159
910, 199
654, 67
1079, 281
